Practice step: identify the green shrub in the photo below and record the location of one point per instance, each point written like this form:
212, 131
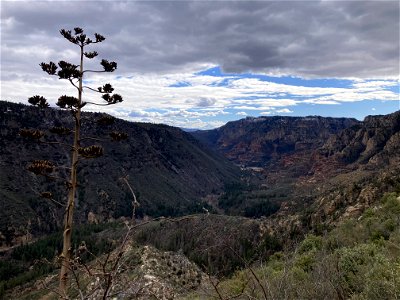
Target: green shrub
305, 262
310, 243
353, 264
391, 204
368, 213
382, 281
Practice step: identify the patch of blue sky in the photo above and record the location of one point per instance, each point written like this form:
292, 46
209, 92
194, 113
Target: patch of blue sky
158, 110
215, 71
180, 84
358, 110
270, 95
222, 118
394, 89
224, 82
249, 97
287, 80
87, 81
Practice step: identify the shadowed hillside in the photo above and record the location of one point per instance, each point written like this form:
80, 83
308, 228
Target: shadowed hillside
169, 170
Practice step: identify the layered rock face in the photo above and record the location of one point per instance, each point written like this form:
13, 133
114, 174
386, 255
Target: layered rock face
256, 142
301, 146
373, 141
331, 168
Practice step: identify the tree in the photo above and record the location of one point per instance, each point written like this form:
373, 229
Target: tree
75, 75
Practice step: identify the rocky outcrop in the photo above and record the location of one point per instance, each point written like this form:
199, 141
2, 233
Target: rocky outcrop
261, 141
143, 273
325, 169
370, 142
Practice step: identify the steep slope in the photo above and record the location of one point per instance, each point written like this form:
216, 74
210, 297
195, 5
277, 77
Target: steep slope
313, 171
357, 260
280, 151
170, 171
369, 158
350, 173
257, 142
372, 142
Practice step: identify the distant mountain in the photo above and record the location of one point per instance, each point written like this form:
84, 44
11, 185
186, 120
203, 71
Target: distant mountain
367, 160
170, 171
372, 142
257, 142
302, 171
296, 176
312, 170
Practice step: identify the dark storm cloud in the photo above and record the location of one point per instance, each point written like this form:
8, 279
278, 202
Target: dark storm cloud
306, 38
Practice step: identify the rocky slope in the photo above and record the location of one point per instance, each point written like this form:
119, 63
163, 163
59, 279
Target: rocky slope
308, 171
169, 170
372, 142
317, 171
143, 273
369, 157
257, 142
311, 175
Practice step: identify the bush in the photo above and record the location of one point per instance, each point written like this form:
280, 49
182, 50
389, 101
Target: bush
382, 280
310, 243
353, 264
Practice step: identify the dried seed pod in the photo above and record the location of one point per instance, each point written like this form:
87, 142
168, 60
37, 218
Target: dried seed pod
39, 167
109, 66
31, 133
112, 99
107, 88
90, 55
40, 101
67, 102
91, 151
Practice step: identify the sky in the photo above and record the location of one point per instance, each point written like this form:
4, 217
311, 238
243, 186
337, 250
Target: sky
200, 64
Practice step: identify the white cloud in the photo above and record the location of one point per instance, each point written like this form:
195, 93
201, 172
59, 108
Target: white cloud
321, 101
161, 98
374, 84
284, 111
158, 47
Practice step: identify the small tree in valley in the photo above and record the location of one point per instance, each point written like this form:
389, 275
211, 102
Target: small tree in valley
75, 75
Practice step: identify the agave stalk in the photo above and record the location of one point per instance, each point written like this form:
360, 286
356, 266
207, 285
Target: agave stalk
74, 74
69, 211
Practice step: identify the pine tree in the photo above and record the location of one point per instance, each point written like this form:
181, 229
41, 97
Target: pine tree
75, 75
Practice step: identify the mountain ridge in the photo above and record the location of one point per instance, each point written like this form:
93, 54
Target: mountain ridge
255, 141
318, 178
170, 171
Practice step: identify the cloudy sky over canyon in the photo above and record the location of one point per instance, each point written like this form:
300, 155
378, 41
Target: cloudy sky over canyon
199, 64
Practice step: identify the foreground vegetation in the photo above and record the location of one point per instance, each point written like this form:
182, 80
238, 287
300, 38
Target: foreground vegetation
29, 262
360, 259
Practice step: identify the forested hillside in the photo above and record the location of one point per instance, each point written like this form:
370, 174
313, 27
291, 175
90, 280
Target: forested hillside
170, 171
